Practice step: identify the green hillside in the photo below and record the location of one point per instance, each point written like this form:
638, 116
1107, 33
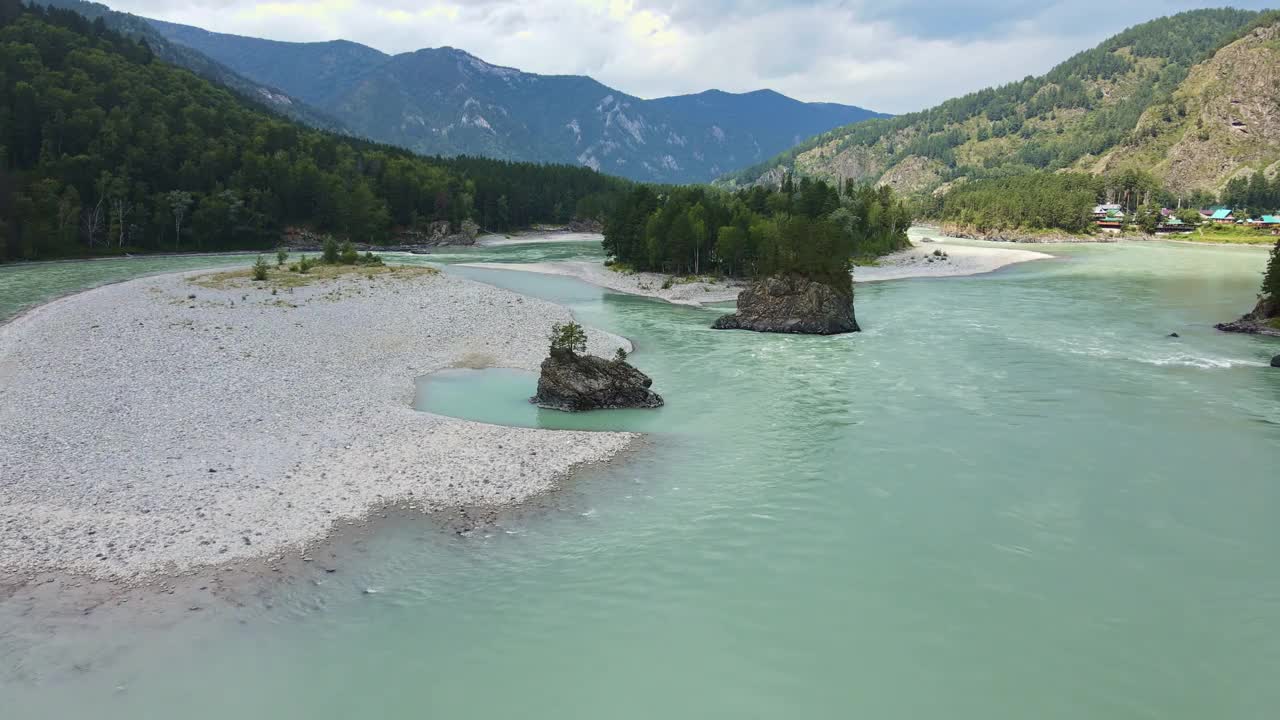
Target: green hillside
1069, 117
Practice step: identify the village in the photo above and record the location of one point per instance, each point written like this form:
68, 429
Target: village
1111, 218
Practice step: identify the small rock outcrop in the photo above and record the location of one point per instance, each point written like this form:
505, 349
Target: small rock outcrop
1256, 322
576, 383
792, 304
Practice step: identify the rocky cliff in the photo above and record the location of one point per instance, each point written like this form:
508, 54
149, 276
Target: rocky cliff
792, 304
1222, 121
575, 383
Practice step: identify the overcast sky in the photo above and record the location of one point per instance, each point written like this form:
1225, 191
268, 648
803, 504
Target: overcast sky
888, 55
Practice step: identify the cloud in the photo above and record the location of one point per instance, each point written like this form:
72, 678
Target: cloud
888, 55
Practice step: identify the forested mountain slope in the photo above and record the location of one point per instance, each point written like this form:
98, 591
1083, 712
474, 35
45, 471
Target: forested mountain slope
105, 148
445, 101
265, 94
1070, 117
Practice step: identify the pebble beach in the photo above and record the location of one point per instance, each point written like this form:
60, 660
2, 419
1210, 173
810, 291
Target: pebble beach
163, 424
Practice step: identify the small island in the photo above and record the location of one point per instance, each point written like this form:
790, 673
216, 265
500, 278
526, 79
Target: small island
795, 242
573, 381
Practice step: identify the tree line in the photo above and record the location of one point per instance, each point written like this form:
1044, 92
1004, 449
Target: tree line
808, 227
105, 149
1065, 201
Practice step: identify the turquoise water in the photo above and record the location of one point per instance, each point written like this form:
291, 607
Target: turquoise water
1012, 496
501, 396
25, 285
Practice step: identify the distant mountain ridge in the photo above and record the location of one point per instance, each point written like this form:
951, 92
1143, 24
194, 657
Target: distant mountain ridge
1096, 111
448, 102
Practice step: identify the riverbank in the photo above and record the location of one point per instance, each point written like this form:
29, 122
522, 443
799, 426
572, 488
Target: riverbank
1047, 237
536, 237
681, 291
955, 260
156, 426
917, 262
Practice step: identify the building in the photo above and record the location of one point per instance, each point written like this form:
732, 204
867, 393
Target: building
1101, 211
1171, 224
1223, 216
1112, 221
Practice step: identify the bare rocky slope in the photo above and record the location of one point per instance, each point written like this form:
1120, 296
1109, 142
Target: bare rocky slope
1222, 121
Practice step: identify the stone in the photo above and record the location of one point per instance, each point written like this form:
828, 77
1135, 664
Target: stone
576, 383
792, 304
1275, 361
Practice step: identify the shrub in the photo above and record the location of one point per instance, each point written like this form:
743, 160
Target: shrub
370, 259
282, 255
347, 254
260, 269
305, 264
329, 251
568, 338
666, 285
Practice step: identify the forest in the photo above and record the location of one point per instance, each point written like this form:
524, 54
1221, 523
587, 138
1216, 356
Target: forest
807, 227
104, 149
1064, 201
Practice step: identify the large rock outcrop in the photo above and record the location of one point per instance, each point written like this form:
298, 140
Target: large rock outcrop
575, 383
792, 304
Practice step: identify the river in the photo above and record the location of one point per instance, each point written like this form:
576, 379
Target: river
1011, 496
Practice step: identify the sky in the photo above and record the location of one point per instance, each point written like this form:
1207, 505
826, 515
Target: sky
892, 56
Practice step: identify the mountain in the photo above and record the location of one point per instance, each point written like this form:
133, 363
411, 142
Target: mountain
1073, 117
444, 101
105, 149
1223, 121
265, 94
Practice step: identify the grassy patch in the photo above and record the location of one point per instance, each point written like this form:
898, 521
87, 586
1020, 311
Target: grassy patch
620, 267
1229, 234
1274, 322
284, 279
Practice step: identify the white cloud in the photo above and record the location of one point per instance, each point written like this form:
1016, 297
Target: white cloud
892, 55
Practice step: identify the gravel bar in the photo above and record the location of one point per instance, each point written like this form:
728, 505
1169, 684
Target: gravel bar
147, 432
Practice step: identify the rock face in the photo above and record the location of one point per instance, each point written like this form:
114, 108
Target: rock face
792, 304
574, 382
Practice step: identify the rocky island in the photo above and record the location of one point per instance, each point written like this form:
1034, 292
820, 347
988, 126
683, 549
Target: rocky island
574, 381
792, 304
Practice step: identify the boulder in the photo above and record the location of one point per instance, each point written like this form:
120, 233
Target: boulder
1275, 361
792, 304
575, 383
